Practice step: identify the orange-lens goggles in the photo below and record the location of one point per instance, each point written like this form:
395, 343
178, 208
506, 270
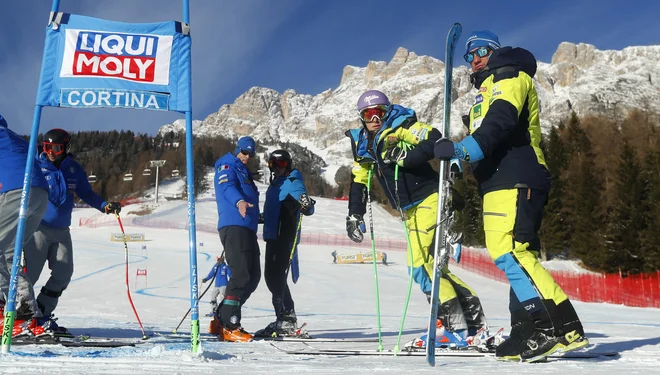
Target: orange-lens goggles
53, 148
368, 114
279, 163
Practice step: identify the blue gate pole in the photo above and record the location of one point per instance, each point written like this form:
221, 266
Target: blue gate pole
192, 231
10, 307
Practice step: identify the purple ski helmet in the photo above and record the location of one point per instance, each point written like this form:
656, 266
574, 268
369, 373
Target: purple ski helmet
372, 98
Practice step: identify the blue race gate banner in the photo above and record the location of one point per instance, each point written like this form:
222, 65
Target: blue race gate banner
92, 63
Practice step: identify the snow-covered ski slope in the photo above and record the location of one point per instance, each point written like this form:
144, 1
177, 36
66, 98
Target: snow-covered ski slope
337, 301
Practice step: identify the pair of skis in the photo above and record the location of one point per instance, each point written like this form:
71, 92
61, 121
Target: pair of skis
445, 212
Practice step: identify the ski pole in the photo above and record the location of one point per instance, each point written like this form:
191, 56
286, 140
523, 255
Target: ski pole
190, 308
373, 255
410, 258
128, 290
293, 248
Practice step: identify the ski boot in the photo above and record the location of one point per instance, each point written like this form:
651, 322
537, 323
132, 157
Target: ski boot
483, 341
235, 335
48, 325
444, 339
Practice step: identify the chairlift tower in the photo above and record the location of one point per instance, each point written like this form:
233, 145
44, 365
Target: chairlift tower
157, 164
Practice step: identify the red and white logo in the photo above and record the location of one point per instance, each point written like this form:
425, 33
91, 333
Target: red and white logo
134, 57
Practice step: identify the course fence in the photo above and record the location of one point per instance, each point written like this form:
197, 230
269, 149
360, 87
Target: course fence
641, 290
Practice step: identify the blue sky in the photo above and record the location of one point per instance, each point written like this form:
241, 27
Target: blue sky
300, 44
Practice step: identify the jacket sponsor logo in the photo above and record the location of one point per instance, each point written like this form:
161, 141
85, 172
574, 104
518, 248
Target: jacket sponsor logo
476, 111
482, 89
476, 124
478, 99
132, 57
496, 91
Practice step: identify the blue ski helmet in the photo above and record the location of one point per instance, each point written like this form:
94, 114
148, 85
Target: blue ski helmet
246, 144
372, 98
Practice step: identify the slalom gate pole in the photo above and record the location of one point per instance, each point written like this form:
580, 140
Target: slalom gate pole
373, 252
190, 308
128, 289
410, 259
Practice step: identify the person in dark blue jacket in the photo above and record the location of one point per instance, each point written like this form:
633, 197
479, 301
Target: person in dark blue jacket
286, 201
222, 273
13, 158
237, 198
52, 240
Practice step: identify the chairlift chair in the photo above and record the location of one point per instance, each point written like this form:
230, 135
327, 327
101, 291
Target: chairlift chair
176, 173
92, 178
128, 176
146, 172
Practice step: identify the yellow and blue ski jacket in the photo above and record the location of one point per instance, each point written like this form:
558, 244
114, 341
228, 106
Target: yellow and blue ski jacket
504, 122
417, 179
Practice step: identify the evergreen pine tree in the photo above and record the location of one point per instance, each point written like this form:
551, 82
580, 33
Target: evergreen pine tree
649, 236
582, 196
625, 219
554, 228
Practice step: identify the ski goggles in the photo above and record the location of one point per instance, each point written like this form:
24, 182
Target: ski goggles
247, 153
279, 163
368, 114
481, 52
53, 148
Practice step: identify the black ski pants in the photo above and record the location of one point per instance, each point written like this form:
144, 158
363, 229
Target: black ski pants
276, 266
242, 256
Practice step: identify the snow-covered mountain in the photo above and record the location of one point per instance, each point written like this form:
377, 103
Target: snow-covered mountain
579, 78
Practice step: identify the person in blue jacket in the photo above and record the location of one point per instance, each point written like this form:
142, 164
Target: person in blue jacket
237, 198
52, 240
286, 200
222, 274
13, 158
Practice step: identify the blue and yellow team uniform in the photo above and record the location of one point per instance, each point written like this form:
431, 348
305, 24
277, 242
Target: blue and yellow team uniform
514, 180
417, 196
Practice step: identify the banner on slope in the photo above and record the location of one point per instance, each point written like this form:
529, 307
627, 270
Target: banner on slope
90, 63
130, 237
361, 257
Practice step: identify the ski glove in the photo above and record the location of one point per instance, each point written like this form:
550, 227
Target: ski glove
306, 204
444, 149
355, 227
204, 280
395, 155
112, 208
468, 149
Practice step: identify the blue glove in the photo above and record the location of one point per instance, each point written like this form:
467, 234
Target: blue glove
355, 227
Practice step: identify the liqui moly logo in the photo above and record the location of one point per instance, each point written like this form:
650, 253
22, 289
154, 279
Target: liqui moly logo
132, 57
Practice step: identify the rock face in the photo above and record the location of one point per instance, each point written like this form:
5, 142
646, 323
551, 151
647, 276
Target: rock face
579, 78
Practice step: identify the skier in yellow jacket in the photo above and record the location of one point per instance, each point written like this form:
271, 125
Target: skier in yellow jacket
391, 136
510, 169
